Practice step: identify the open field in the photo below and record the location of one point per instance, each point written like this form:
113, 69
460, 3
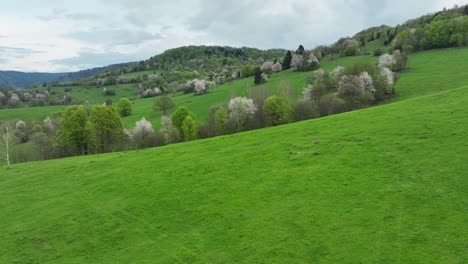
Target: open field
385, 184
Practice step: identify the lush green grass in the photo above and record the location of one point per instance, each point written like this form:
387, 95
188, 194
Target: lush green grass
434, 71
380, 185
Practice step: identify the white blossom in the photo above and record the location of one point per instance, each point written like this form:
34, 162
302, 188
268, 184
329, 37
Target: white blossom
307, 93
338, 71
14, 98
386, 60
241, 109
20, 125
264, 76
389, 77
368, 82
312, 58
297, 61
318, 74
48, 124
142, 130
351, 84
267, 67
200, 87
277, 67
168, 130
350, 42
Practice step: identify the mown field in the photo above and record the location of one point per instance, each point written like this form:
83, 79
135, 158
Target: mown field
386, 184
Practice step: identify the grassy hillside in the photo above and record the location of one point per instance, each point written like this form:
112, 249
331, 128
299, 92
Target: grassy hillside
381, 185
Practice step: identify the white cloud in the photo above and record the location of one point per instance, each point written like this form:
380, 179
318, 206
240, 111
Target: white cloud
69, 35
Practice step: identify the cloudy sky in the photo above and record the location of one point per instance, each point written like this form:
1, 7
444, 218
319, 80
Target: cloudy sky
66, 35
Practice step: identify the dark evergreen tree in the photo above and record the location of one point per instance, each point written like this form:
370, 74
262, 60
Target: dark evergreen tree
287, 60
465, 10
300, 50
257, 75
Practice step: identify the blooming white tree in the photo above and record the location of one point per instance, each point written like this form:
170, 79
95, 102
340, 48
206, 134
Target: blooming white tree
297, 61
169, 131
307, 94
277, 67
141, 132
48, 125
386, 60
368, 82
313, 59
200, 87
389, 77
350, 42
264, 77
267, 67
350, 86
7, 141
338, 72
240, 110
318, 74
304, 62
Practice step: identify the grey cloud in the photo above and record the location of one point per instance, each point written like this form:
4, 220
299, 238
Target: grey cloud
6, 51
82, 16
114, 37
90, 59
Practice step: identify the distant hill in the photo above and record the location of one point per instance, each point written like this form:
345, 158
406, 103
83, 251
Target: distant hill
15, 79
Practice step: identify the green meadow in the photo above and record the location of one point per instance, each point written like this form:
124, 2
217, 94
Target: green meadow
386, 184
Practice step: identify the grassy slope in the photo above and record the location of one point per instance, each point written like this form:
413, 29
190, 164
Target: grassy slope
198, 104
380, 185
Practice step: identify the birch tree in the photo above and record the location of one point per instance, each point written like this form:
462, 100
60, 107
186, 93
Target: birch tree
7, 141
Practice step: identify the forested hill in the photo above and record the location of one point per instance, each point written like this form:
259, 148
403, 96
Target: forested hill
15, 79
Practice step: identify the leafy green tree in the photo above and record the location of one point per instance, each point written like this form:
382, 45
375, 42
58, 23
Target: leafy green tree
107, 127
351, 50
76, 133
287, 60
246, 71
190, 128
277, 111
164, 104
179, 116
37, 128
221, 117
124, 107
258, 78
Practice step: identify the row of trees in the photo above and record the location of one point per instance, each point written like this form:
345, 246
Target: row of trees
82, 131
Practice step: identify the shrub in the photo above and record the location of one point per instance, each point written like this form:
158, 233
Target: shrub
351, 50
190, 128
164, 104
178, 118
124, 107
378, 52
330, 105
277, 111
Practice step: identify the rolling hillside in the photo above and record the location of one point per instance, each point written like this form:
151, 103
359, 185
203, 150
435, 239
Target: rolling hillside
198, 104
15, 79
385, 184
